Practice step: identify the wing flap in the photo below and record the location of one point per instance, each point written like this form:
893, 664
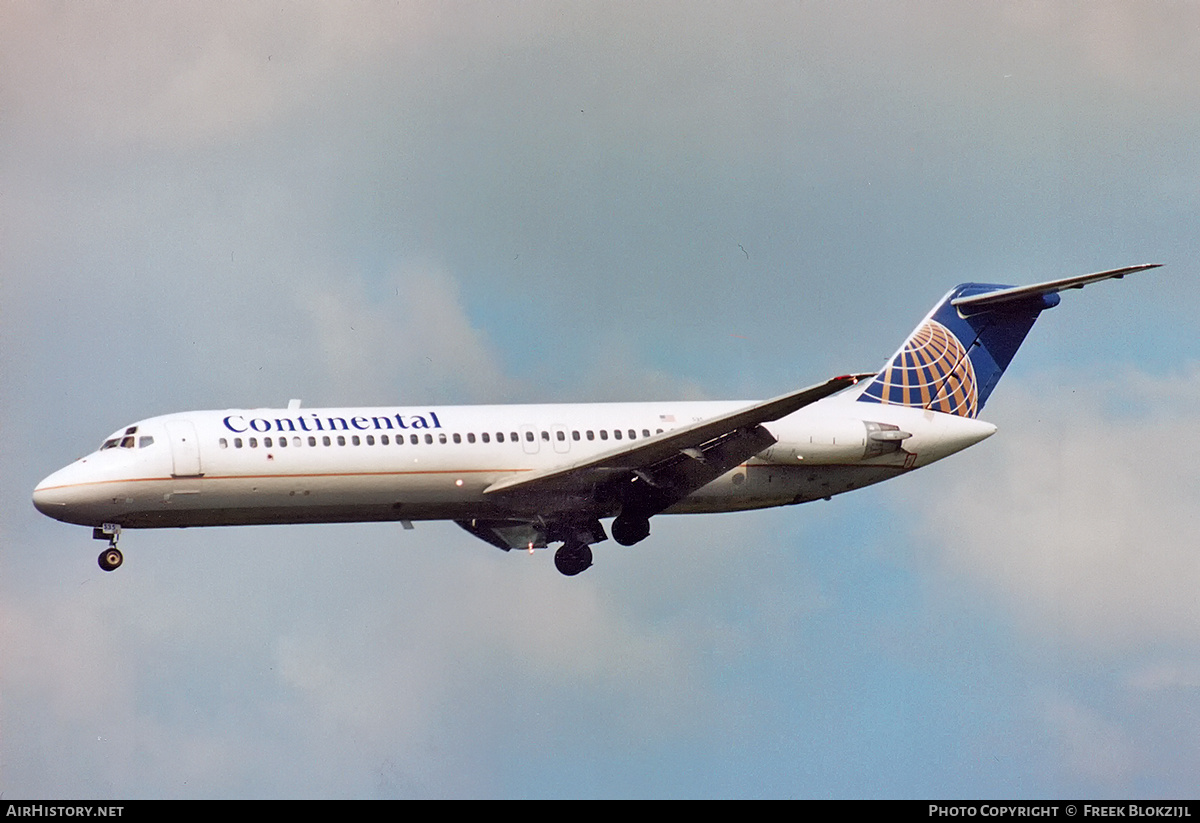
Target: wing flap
658, 486
506, 534
534, 533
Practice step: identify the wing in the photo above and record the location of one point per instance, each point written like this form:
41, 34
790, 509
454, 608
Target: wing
673, 464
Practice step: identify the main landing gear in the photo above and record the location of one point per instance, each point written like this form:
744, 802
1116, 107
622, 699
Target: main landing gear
110, 558
630, 528
575, 554
573, 557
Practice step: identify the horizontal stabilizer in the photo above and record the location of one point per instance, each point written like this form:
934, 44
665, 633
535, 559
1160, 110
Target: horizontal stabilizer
976, 303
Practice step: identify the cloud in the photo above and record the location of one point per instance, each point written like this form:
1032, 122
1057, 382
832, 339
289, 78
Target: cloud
190, 75
1088, 746
217, 204
1166, 676
406, 339
289, 671
1078, 514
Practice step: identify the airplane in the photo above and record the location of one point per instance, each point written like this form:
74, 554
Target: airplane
526, 476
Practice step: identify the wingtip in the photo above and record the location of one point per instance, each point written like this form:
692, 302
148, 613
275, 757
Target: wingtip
851, 379
1135, 269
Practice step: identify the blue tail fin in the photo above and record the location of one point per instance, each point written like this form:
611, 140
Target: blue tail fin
951, 363
954, 359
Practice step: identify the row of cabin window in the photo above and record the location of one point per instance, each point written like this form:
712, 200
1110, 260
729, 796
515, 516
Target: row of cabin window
415, 439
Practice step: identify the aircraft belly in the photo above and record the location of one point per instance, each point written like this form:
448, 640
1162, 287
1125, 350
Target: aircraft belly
215, 501
333, 513
765, 485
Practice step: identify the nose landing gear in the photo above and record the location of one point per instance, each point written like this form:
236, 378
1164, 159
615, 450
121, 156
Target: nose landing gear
111, 557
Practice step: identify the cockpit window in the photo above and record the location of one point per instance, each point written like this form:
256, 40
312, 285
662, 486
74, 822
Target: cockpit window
145, 441
124, 441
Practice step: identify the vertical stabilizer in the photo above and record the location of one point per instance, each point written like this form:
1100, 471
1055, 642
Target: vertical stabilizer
955, 357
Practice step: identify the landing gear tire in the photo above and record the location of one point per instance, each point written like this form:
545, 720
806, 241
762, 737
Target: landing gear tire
573, 558
111, 558
629, 529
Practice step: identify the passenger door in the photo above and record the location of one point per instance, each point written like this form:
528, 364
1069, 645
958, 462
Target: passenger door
185, 449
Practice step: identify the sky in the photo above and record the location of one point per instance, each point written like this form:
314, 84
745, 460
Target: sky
213, 205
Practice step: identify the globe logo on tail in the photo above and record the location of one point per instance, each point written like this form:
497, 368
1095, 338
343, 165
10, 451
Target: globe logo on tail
932, 371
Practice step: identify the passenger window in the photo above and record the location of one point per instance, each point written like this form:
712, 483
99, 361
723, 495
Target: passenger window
499, 437
513, 437
383, 439
283, 442
616, 434
370, 440
574, 435
529, 436
237, 442
561, 435
254, 442
546, 436
441, 438
412, 438
341, 439
632, 434
457, 437
591, 435
223, 442
325, 441
354, 440
267, 442
485, 437
604, 434
312, 441
470, 437
645, 432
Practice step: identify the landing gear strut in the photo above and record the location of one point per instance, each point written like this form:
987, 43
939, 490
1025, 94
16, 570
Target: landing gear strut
111, 557
573, 557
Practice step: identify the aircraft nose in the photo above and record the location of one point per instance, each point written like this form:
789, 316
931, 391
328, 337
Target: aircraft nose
55, 495
45, 500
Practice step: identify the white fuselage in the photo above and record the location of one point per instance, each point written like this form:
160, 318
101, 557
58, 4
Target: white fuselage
240, 467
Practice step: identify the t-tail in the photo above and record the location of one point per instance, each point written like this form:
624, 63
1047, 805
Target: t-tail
954, 358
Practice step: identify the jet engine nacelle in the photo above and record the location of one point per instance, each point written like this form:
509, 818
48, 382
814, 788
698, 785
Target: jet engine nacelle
837, 441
